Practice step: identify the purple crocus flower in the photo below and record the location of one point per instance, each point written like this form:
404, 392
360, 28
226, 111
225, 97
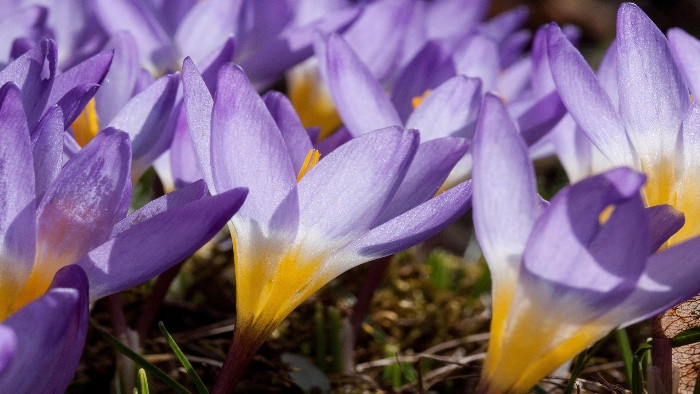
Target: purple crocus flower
301, 226
566, 272
637, 113
57, 214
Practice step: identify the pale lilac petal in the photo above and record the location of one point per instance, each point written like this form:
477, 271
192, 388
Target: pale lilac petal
428, 171
448, 111
689, 144
184, 164
27, 22
514, 47
248, 150
586, 100
146, 249
333, 141
430, 67
408, 229
542, 80
541, 118
359, 98
295, 136
376, 35
8, 347
199, 106
571, 253
207, 26
512, 81
90, 71
607, 74
504, 24
213, 62
17, 198
47, 148
171, 200
144, 117
463, 17
80, 207
573, 148
686, 51
478, 58
663, 222
50, 335
371, 166
653, 96
506, 203
119, 84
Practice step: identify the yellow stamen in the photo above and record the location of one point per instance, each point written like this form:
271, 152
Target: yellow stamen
309, 162
415, 102
311, 100
605, 215
87, 124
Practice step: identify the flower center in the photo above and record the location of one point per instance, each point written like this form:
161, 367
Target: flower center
309, 162
87, 124
311, 100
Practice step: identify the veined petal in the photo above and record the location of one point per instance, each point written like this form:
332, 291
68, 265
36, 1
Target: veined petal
247, 150
18, 215
50, 334
662, 221
47, 149
478, 58
686, 51
120, 82
26, 22
143, 250
199, 106
211, 64
586, 100
80, 208
182, 159
541, 118
295, 136
607, 74
653, 96
359, 98
90, 71
371, 166
448, 111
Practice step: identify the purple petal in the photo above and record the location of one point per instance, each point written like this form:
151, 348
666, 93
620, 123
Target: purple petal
199, 106
207, 26
514, 47
686, 51
120, 82
478, 58
247, 150
27, 22
8, 347
586, 100
212, 63
463, 17
81, 205
503, 25
344, 194
598, 263
428, 171
541, 118
653, 96
506, 203
512, 81
607, 74
50, 334
75, 100
295, 136
184, 165
663, 221
90, 71
449, 110
411, 227
174, 199
360, 100
150, 247
144, 117
17, 217
47, 149
333, 141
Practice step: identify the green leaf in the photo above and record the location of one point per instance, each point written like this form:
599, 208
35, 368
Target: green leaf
691, 335
143, 382
580, 363
143, 363
636, 383
201, 389
623, 342
335, 325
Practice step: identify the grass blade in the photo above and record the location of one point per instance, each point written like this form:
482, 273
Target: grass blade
143, 382
143, 363
687, 337
201, 389
623, 342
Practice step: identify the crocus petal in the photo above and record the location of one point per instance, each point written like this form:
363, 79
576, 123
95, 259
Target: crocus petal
430, 67
430, 167
407, 229
376, 35
605, 260
686, 51
478, 58
506, 203
448, 111
90, 71
144, 117
75, 100
371, 166
8, 347
359, 98
79, 208
653, 96
607, 74
120, 82
144, 250
295, 136
17, 217
207, 26
199, 106
50, 334
586, 100
26, 22
504, 24
662, 221
513, 47
184, 166
47, 148
541, 118
463, 15
247, 150
212, 63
